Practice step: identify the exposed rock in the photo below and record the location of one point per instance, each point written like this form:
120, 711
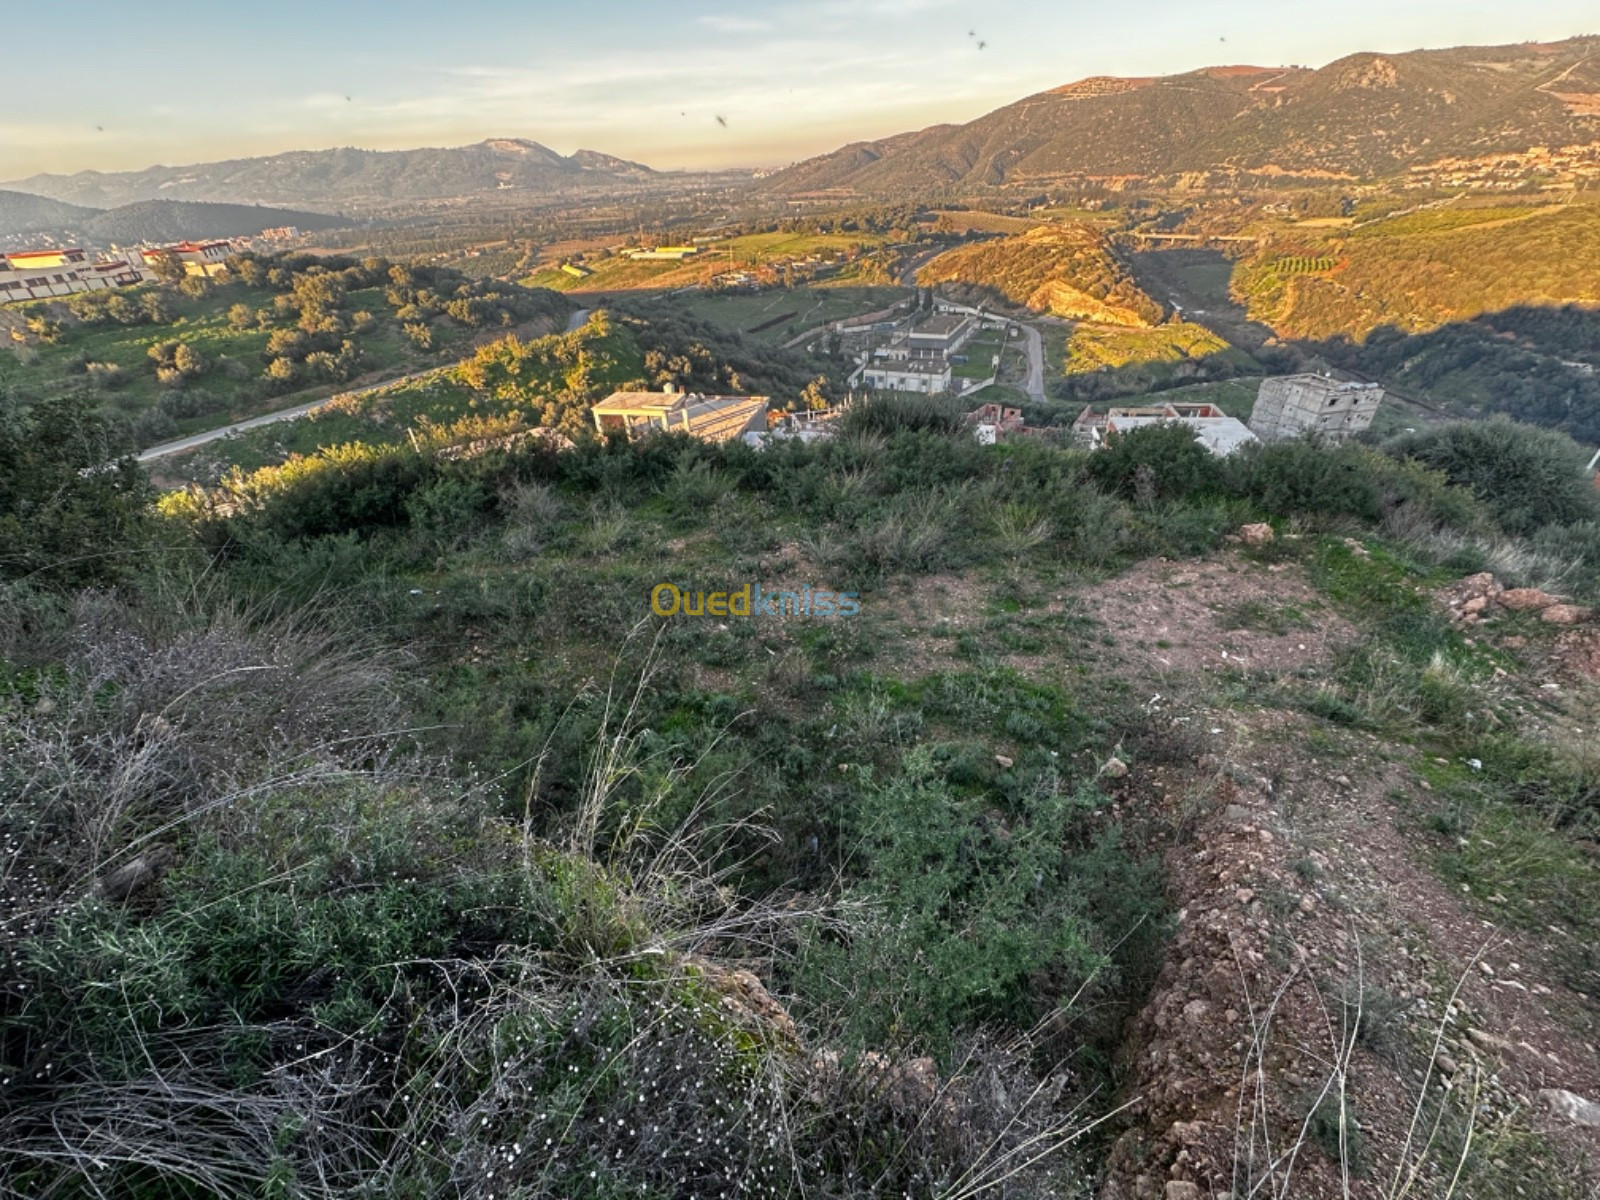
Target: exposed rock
1567, 614
744, 997
1571, 1107
1445, 1063
1475, 605
1001, 761
1114, 768
1256, 535
1525, 599
1178, 1189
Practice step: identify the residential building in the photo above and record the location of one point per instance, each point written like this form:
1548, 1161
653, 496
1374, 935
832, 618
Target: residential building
909, 375
1290, 406
1213, 428
198, 258
43, 274
710, 418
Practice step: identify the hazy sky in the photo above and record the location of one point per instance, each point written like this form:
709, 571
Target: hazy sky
179, 81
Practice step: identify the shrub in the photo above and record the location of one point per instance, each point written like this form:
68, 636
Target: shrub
1528, 477
1156, 462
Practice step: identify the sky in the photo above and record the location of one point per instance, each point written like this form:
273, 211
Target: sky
185, 81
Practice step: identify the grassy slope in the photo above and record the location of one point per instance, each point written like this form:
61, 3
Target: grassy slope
203, 323
1422, 270
620, 274
1068, 270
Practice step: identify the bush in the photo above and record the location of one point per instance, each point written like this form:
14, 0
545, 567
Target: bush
1156, 462
1528, 477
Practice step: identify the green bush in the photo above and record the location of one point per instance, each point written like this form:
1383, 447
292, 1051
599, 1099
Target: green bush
1528, 477
1156, 462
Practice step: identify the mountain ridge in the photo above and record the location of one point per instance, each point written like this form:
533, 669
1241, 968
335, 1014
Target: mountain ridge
1366, 115
341, 176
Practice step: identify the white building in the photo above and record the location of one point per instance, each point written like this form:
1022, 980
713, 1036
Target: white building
44, 274
909, 375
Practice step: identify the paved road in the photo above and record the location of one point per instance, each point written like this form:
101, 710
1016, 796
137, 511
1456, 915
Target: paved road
1035, 385
575, 321
271, 418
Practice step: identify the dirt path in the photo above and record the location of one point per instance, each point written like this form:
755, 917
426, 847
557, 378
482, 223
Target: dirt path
1303, 891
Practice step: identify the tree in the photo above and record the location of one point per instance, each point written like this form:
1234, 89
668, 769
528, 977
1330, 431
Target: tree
241, 317
421, 336
166, 266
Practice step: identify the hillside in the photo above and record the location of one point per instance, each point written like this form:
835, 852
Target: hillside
174, 220
323, 179
1363, 116
1419, 271
21, 213
369, 833
1068, 270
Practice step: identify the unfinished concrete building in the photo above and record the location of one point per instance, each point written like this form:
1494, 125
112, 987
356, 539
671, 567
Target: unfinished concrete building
1290, 406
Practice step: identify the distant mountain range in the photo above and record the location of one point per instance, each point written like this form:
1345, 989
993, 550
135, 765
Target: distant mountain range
22, 215
1362, 117
339, 179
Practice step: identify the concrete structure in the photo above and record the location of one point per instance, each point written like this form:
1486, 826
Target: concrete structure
1289, 406
942, 334
909, 375
1213, 428
43, 274
198, 258
710, 418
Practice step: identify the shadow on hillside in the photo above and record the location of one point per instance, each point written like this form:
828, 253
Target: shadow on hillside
1539, 364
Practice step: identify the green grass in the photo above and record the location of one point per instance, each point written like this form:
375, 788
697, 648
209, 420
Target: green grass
1097, 347
743, 253
233, 386
742, 312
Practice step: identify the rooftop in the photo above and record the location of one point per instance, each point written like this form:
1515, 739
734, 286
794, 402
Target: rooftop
940, 327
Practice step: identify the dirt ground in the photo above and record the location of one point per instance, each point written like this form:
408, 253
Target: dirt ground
1302, 901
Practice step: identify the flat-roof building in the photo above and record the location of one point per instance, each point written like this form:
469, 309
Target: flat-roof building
909, 375
710, 418
1213, 428
45, 274
1289, 406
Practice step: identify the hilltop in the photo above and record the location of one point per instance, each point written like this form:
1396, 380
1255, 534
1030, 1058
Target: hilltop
22, 214
148, 220
1363, 116
330, 178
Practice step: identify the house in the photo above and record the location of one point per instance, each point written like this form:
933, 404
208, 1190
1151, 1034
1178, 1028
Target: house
909, 375
710, 418
43, 274
1289, 406
198, 258
993, 422
1213, 428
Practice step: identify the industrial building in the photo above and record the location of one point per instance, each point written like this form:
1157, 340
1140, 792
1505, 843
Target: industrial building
1290, 406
